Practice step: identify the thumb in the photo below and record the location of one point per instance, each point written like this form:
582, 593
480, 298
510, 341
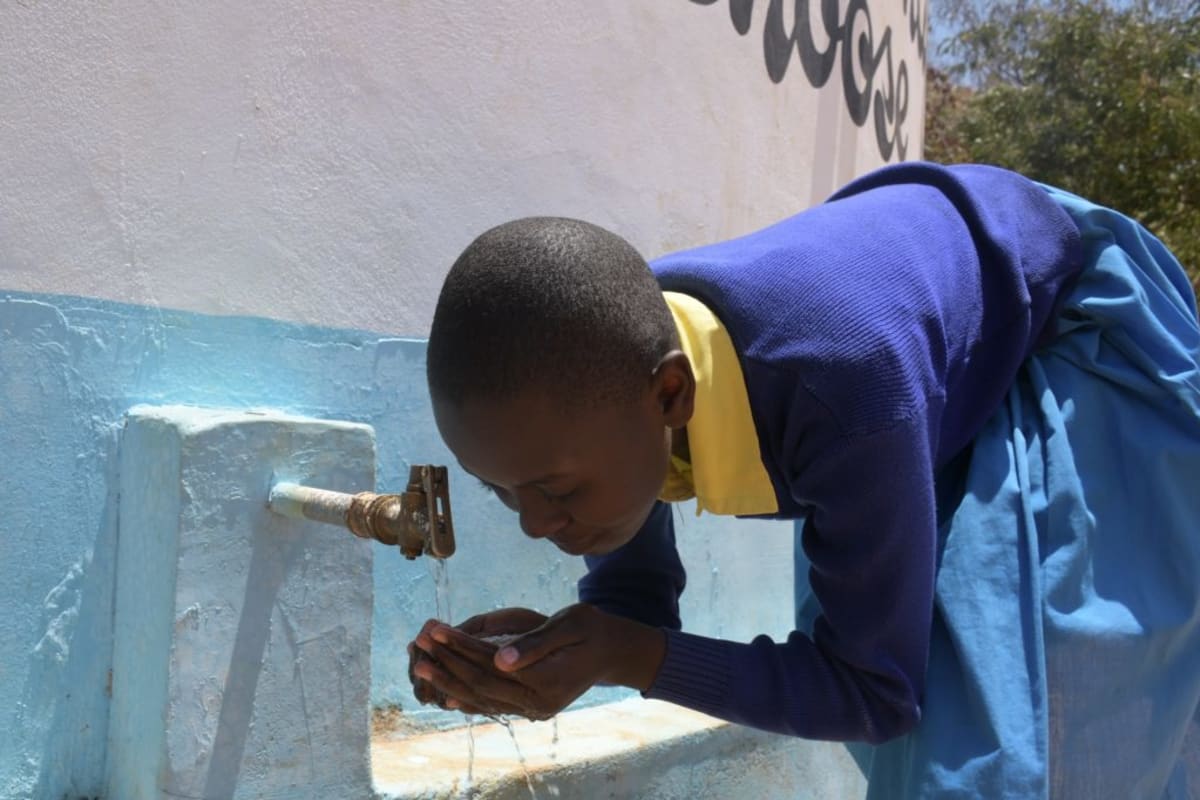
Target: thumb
530, 648
509, 658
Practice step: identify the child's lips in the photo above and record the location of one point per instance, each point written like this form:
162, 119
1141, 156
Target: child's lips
575, 545
569, 546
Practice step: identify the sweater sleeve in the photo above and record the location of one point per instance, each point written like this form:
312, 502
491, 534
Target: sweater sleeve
871, 540
641, 580
878, 332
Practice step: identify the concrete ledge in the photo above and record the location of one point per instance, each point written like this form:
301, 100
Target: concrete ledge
627, 750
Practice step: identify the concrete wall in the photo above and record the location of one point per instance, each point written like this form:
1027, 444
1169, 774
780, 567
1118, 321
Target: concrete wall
323, 162
240, 205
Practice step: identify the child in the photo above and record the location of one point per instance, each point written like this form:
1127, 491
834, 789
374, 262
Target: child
980, 394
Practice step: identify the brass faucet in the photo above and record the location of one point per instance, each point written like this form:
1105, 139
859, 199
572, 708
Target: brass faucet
418, 520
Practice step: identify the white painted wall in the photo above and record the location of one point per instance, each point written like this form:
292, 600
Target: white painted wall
325, 162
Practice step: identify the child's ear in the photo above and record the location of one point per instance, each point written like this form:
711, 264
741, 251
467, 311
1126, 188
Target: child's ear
675, 389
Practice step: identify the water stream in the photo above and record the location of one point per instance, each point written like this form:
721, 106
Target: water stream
470, 755
444, 613
554, 742
507, 723
441, 587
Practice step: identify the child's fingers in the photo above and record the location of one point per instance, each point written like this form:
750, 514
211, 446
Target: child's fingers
504, 621
566, 628
487, 624
483, 680
470, 686
467, 646
422, 689
455, 705
476, 650
423, 635
425, 693
477, 625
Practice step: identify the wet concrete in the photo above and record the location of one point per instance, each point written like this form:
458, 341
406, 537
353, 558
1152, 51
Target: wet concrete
631, 749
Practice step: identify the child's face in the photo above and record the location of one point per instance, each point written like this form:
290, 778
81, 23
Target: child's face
584, 479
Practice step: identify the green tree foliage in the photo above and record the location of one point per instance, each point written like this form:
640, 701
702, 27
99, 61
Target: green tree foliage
1100, 99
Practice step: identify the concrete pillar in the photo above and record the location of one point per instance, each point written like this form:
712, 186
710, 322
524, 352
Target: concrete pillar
242, 648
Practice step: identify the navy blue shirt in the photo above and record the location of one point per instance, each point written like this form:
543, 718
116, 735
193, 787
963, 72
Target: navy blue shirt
877, 333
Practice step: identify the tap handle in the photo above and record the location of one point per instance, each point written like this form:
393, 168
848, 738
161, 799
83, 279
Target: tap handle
433, 485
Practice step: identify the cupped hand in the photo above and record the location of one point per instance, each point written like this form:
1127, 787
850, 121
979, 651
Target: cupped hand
503, 623
543, 670
423, 690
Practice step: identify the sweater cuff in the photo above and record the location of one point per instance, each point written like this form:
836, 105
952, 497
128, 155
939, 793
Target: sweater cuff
695, 673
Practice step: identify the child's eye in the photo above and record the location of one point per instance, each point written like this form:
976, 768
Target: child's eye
501, 494
488, 486
561, 497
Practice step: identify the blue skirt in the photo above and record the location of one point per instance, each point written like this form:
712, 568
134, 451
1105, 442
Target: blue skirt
1065, 649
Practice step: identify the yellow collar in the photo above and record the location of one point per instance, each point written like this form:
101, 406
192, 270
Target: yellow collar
726, 474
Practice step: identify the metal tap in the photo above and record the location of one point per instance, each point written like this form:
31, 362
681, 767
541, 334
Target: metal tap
418, 520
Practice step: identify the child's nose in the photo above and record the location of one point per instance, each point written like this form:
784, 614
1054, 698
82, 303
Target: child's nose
539, 517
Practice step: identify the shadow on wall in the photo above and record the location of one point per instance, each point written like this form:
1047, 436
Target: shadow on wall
67, 663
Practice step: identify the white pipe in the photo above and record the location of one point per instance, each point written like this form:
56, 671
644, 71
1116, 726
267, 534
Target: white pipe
304, 502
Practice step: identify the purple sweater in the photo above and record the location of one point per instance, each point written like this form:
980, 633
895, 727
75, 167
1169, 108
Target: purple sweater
877, 333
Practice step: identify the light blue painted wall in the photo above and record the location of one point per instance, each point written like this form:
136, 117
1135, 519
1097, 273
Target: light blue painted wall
71, 367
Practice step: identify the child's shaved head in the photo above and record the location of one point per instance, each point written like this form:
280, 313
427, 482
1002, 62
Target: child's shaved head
549, 304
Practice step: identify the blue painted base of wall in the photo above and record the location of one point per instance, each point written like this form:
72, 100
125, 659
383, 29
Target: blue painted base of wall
71, 367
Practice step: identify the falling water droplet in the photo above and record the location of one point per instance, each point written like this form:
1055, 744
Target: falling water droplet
554, 742
441, 583
470, 754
